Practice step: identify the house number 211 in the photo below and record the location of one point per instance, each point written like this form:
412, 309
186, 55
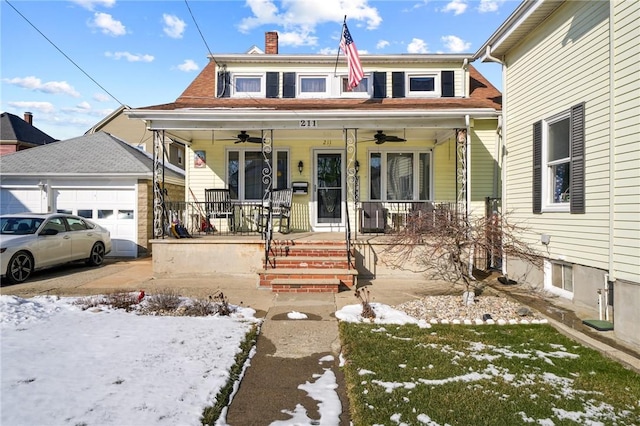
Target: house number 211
308, 123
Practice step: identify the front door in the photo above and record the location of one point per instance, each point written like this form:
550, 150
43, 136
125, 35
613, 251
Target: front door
328, 190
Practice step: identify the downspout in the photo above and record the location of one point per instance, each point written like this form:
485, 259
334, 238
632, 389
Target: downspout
502, 120
468, 155
612, 138
465, 67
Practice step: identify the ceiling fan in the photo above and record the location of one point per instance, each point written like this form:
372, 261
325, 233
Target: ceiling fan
243, 137
379, 137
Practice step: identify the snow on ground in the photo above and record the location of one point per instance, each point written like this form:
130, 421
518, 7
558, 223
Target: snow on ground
63, 365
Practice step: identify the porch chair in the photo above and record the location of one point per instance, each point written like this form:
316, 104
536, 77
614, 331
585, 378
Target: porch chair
281, 208
218, 206
373, 217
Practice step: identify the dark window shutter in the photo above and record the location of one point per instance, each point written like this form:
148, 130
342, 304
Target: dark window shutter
447, 84
288, 84
397, 84
379, 85
273, 81
577, 200
537, 167
224, 84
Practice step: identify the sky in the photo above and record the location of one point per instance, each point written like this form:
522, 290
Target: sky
71, 63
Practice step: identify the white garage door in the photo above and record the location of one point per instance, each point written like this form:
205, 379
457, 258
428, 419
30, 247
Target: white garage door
22, 200
115, 209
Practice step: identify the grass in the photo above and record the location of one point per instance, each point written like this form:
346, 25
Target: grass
489, 375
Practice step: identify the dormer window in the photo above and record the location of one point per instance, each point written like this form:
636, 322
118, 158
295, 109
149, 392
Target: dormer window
313, 85
361, 90
248, 85
423, 85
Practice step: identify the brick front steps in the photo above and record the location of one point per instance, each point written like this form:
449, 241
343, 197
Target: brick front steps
308, 267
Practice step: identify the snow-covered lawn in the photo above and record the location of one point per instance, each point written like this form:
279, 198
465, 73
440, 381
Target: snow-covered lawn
64, 365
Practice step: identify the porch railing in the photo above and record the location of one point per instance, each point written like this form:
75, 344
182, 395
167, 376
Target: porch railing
245, 218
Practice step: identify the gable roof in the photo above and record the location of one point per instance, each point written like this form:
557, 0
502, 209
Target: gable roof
15, 129
97, 154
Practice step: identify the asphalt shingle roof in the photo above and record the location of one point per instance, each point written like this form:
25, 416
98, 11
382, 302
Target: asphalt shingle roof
14, 128
94, 154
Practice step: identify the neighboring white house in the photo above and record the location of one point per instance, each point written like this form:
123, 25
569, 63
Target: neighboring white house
95, 176
571, 127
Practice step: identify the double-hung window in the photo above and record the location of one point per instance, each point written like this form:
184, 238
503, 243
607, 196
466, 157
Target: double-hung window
400, 176
423, 85
248, 85
313, 86
245, 171
362, 90
558, 162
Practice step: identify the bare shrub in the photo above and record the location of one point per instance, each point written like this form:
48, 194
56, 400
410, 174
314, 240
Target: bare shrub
122, 300
89, 302
363, 296
198, 308
164, 302
445, 240
221, 304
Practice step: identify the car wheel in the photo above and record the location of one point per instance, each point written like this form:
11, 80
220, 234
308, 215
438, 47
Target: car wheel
97, 255
20, 267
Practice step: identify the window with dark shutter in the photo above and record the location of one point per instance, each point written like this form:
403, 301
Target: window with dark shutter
537, 167
273, 81
397, 84
379, 85
447, 84
577, 201
224, 84
288, 84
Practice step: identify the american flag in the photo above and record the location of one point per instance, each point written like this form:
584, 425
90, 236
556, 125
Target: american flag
353, 60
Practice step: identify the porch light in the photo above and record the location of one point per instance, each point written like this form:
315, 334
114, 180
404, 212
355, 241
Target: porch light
357, 166
300, 166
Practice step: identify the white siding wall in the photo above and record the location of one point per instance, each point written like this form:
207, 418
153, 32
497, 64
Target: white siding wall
626, 231
562, 63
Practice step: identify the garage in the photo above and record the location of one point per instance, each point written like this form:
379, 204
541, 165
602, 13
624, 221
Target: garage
95, 176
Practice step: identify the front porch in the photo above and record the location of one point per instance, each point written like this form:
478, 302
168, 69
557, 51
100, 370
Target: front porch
297, 261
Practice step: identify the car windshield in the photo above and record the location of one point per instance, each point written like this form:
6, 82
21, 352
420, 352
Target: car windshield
19, 225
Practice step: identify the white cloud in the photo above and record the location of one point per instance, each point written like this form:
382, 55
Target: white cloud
455, 44
299, 19
458, 7
188, 65
101, 97
417, 46
84, 105
91, 4
489, 5
52, 87
173, 26
45, 107
382, 44
328, 51
297, 39
130, 56
108, 25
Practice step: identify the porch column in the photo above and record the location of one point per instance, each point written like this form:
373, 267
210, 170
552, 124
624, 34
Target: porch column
267, 167
353, 184
158, 176
462, 169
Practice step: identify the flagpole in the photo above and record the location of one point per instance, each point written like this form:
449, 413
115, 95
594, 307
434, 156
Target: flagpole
335, 69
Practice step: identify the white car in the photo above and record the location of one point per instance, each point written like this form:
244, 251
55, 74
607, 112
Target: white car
31, 241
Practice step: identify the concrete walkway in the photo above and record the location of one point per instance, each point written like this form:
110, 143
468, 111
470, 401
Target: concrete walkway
289, 352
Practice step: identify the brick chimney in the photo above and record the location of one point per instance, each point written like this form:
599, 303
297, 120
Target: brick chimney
28, 117
271, 42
